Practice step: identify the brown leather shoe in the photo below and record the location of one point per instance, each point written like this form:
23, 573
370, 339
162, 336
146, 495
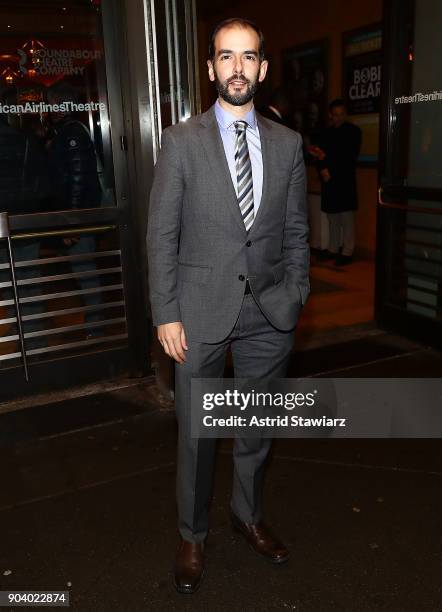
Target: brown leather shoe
261, 540
189, 566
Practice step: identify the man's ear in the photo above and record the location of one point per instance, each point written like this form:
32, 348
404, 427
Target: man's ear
211, 70
263, 70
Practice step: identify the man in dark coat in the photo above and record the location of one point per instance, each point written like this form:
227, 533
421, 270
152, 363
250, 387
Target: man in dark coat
339, 147
24, 181
72, 156
74, 167
24, 189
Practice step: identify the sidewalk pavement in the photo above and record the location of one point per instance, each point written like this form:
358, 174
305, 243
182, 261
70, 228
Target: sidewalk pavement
87, 505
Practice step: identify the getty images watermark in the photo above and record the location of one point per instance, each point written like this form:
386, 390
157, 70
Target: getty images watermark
326, 407
254, 400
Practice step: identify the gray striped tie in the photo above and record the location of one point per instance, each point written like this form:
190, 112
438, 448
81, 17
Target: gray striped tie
244, 174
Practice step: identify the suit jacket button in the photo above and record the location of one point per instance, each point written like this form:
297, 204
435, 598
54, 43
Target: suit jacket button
249, 243
241, 277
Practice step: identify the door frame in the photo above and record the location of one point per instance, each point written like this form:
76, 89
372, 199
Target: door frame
393, 198
63, 371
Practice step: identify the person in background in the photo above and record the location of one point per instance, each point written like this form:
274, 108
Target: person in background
24, 189
24, 180
72, 155
278, 108
75, 178
337, 152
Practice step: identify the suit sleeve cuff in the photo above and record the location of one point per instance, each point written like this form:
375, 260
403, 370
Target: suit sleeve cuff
171, 315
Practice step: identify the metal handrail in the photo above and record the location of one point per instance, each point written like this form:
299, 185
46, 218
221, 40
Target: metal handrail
65, 232
406, 207
25, 263
37, 280
5, 234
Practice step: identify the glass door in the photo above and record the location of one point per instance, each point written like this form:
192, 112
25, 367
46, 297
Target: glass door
409, 252
173, 75
174, 62
70, 301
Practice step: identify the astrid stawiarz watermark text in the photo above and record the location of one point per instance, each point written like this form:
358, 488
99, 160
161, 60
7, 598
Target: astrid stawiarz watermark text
255, 399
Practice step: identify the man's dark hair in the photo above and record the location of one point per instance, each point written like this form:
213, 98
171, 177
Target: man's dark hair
336, 103
242, 23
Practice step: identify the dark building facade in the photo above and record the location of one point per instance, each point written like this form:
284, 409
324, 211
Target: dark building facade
86, 87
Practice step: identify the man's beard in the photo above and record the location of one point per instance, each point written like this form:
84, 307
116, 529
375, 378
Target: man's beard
236, 99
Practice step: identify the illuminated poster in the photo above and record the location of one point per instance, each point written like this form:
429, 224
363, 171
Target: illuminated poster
362, 85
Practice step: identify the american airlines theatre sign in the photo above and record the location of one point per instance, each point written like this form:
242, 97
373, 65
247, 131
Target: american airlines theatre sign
42, 107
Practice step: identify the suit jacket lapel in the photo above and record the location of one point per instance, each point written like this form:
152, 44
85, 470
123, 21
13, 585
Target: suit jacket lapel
267, 151
215, 154
214, 150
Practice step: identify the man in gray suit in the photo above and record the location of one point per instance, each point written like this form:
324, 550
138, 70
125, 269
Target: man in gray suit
228, 266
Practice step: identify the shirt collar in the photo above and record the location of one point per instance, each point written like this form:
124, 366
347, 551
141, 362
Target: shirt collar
226, 119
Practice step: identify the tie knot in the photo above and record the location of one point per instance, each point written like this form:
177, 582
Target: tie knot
240, 126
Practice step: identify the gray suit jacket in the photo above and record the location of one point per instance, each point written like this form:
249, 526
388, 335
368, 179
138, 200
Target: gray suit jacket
199, 252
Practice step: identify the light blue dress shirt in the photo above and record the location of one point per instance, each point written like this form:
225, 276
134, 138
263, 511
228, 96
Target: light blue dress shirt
228, 134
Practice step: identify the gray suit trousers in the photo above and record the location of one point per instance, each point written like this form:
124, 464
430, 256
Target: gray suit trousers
259, 351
